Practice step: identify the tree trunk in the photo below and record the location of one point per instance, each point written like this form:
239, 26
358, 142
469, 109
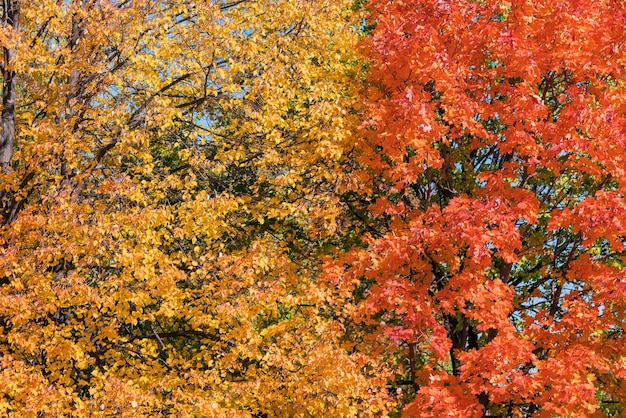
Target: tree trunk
10, 20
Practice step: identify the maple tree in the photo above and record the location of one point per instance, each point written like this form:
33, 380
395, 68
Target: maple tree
492, 269
170, 173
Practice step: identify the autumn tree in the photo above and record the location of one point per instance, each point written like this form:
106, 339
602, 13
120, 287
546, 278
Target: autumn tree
494, 154
170, 171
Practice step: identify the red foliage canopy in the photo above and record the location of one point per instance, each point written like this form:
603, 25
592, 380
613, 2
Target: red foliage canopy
495, 144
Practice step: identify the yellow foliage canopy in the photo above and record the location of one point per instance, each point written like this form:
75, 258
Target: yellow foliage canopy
175, 169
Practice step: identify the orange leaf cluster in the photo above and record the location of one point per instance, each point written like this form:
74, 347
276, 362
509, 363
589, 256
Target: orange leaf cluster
493, 149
